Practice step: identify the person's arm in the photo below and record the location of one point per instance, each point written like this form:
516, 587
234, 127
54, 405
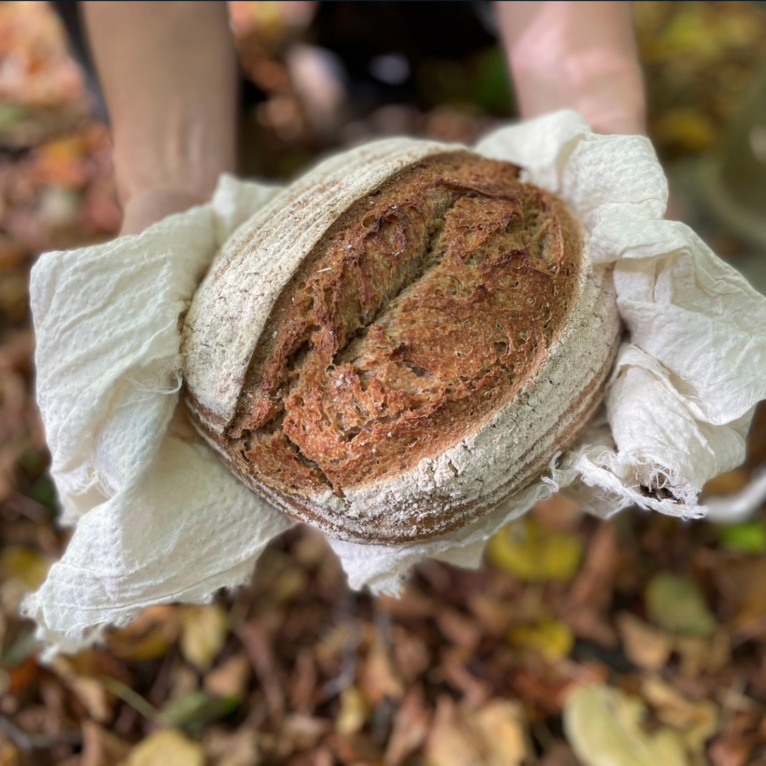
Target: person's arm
580, 55
168, 71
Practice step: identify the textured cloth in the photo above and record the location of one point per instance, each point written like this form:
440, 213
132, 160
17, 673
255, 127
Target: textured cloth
157, 516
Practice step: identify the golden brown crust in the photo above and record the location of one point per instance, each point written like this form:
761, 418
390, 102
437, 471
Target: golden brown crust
421, 312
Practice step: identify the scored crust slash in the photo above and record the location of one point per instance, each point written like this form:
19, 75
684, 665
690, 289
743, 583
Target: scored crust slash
400, 341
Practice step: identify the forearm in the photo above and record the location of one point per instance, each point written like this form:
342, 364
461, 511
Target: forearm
580, 55
168, 71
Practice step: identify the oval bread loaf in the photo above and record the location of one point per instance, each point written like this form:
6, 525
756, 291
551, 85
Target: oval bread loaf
399, 341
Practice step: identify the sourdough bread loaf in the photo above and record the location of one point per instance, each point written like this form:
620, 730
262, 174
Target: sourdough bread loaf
399, 341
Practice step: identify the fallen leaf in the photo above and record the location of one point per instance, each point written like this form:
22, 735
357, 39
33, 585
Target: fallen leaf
9, 754
24, 564
304, 731
203, 633
503, 732
459, 629
591, 593
194, 711
353, 711
703, 655
230, 679
146, 638
695, 721
531, 553
747, 537
166, 747
603, 726
90, 691
676, 604
553, 639
559, 755
449, 742
732, 751
409, 729
379, 679
644, 645
558, 512
100, 747
227, 748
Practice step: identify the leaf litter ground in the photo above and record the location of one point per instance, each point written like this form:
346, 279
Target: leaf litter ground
637, 641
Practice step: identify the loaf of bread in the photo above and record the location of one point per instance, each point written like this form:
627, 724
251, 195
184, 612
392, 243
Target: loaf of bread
399, 341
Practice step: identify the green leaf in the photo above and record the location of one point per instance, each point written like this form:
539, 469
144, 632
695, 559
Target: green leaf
748, 537
676, 604
196, 710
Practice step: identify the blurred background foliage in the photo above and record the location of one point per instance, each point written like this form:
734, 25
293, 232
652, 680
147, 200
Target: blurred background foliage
645, 628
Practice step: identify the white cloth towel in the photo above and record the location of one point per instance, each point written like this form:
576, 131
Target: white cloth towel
157, 516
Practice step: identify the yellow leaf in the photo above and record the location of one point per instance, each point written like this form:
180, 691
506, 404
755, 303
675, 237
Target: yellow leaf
23, 564
603, 726
203, 634
502, 727
9, 754
691, 129
531, 553
353, 711
551, 638
167, 747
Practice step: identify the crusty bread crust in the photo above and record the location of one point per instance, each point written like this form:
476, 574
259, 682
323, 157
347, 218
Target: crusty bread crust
439, 341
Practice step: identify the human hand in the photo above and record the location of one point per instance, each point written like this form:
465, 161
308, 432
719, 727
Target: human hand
576, 55
152, 205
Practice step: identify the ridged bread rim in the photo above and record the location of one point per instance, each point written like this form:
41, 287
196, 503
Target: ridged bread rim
230, 309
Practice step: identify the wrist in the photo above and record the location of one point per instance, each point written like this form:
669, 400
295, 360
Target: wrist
603, 84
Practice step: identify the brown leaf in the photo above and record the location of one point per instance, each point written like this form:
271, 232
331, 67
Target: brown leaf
148, 637
379, 679
257, 642
559, 755
591, 592
704, 655
726, 483
449, 742
226, 748
459, 629
304, 682
558, 512
730, 751
410, 728
696, 721
644, 645
90, 691
474, 690
410, 653
230, 679
304, 731
100, 747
